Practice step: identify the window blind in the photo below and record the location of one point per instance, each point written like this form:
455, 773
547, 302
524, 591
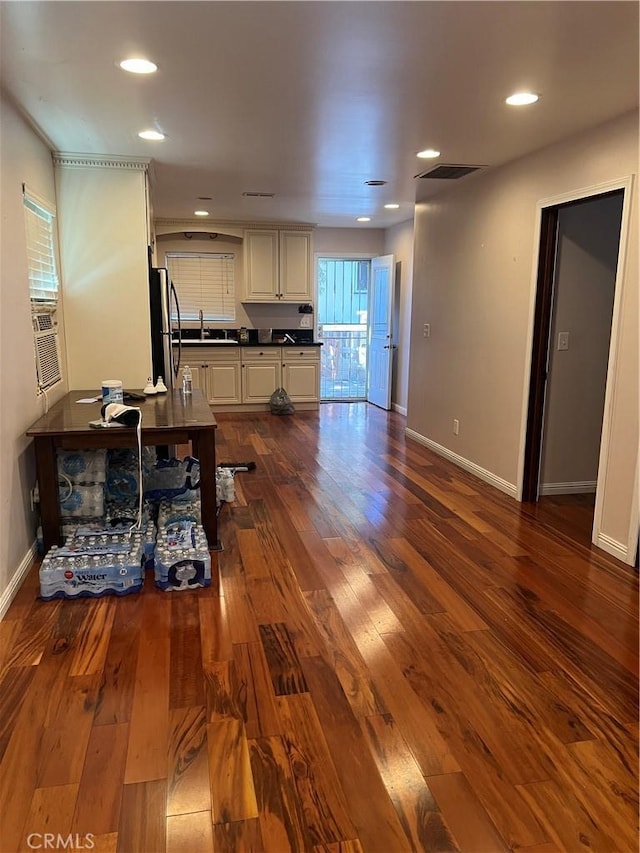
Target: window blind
204, 282
41, 259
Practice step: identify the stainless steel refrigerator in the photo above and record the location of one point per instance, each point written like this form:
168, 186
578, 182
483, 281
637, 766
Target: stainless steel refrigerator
165, 320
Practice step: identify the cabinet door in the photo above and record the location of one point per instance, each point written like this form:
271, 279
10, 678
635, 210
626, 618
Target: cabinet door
301, 377
197, 377
261, 266
223, 382
261, 375
295, 266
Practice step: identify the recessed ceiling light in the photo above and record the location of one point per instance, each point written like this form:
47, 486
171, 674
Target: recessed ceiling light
201, 212
151, 134
205, 198
375, 183
138, 66
521, 99
363, 219
428, 153
392, 206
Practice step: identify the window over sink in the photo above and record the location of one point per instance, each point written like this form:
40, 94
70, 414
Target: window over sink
205, 282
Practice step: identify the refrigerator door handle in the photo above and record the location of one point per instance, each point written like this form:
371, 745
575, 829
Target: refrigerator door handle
176, 364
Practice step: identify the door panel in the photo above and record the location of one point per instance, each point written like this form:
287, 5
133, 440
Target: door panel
380, 337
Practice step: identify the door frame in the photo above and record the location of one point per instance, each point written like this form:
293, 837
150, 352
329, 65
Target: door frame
537, 355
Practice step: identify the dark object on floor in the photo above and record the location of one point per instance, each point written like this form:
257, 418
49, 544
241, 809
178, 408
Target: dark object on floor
280, 403
239, 466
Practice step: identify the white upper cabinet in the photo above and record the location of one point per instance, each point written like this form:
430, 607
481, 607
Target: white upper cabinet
277, 266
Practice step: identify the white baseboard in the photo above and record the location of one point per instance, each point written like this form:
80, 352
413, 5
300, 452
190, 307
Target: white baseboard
493, 480
14, 584
615, 548
584, 488
402, 410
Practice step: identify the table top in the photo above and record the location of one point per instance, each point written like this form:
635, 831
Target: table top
169, 411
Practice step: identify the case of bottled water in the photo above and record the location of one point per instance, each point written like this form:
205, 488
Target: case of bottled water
93, 565
181, 560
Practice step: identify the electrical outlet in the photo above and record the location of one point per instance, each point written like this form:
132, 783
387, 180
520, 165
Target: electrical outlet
426, 330
563, 340
456, 426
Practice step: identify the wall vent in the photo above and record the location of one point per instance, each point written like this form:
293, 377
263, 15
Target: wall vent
258, 195
448, 172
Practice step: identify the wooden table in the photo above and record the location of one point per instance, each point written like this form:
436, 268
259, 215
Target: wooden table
166, 419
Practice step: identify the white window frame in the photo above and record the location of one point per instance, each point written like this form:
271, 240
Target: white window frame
44, 287
204, 281
44, 284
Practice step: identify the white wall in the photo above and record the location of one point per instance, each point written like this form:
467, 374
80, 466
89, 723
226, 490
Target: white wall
474, 264
399, 243
23, 158
587, 254
348, 241
103, 248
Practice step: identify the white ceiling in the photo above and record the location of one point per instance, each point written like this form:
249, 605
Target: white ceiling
311, 99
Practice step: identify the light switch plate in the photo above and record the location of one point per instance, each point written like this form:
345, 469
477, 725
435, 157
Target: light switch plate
563, 340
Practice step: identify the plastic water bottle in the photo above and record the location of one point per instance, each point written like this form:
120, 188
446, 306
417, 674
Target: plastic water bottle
187, 380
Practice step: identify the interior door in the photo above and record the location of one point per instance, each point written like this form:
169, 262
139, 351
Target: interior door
380, 361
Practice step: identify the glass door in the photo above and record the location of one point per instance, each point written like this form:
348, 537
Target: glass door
343, 289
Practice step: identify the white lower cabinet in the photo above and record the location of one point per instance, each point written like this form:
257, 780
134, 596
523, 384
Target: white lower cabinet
224, 383
301, 374
250, 375
261, 374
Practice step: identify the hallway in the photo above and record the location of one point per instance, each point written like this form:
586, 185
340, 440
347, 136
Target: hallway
398, 658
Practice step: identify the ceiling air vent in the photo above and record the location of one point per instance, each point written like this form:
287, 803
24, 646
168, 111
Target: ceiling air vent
258, 195
448, 172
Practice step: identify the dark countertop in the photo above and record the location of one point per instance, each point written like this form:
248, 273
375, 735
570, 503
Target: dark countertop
230, 344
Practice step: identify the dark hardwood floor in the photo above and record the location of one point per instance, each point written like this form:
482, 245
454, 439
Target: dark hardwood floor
398, 657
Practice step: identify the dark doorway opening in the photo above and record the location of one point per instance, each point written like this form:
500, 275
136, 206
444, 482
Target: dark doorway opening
548, 341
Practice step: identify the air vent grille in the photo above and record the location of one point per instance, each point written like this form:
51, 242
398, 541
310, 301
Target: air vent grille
258, 195
42, 322
47, 360
448, 172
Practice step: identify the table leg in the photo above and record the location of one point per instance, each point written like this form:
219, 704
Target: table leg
204, 449
48, 488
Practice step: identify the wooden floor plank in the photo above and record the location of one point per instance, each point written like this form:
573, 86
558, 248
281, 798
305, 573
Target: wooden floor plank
233, 795
281, 820
118, 674
419, 813
149, 725
259, 709
284, 667
142, 818
240, 836
50, 814
100, 791
470, 824
370, 805
188, 763
321, 796
93, 637
187, 833
65, 740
